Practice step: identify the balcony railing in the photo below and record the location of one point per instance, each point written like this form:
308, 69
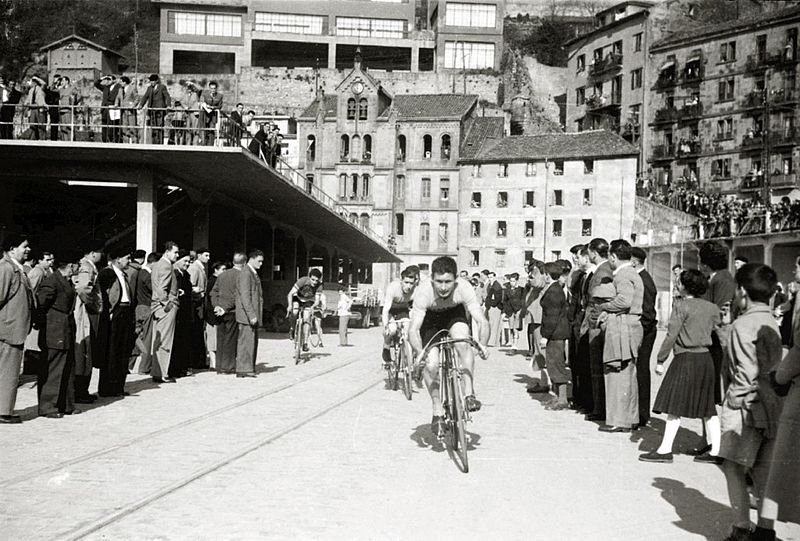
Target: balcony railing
752, 141
759, 62
784, 138
783, 96
665, 81
783, 180
689, 148
666, 115
693, 73
754, 99
752, 182
690, 112
663, 152
611, 62
596, 102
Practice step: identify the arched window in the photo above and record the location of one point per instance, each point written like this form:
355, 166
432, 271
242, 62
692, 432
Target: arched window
311, 148
355, 148
343, 186
353, 186
354, 217
424, 233
362, 109
400, 187
427, 145
401, 148
367, 148
344, 151
351, 109
309, 183
365, 185
365, 220
445, 147
399, 224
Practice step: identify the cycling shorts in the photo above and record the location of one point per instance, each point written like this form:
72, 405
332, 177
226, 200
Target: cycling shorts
302, 303
441, 320
400, 312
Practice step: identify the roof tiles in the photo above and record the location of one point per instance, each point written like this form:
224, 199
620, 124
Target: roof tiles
587, 144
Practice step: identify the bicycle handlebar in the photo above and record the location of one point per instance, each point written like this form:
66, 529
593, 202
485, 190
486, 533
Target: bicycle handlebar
469, 340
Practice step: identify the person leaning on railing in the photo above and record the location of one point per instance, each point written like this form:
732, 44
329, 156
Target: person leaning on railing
155, 100
10, 96
68, 99
127, 100
37, 109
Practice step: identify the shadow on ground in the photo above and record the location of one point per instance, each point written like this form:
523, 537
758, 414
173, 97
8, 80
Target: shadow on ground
698, 514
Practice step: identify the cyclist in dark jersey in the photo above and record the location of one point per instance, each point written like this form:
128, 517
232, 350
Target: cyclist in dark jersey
397, 306
306, 293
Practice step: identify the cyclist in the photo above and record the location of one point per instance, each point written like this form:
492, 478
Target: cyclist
305, 293
397, 305
443, 303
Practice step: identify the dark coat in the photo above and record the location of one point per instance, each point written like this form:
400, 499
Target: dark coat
111, 288
513, 300
649, 302
223, 293
156, 97
575, 312
144, 288
56, 296
555, 325
249, 298
494, 295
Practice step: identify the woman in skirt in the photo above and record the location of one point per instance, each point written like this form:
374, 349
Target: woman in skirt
688, 387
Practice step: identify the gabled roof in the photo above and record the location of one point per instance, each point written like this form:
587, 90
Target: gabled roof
432, 106
478, 130
328, 102
703, 33
72, 37
586, 144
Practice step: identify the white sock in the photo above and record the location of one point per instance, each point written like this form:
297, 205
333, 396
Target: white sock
670, 431
713, 433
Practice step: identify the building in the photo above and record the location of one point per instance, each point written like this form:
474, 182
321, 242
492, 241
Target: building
392, 162
606, 72
723, 107
77, 57
526, 197
223, 36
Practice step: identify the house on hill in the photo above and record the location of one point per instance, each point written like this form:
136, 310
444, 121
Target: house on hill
77, 57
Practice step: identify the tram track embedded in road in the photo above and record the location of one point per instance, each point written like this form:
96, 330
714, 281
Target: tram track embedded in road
129, 509
167, 429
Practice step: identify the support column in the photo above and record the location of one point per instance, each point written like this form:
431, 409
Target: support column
146, 215
332, 55
414, 58
768, 248
200, 227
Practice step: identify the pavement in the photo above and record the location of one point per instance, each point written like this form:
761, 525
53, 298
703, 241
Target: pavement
323, 450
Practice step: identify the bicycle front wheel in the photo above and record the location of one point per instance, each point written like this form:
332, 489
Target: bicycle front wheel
405, 366
298, 342
459, 418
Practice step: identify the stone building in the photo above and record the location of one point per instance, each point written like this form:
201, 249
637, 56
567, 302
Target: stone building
391, 160
526, 197
223, 36
77, 57
723, 106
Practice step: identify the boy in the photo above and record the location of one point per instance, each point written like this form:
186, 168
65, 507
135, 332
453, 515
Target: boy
750, 407
555, 331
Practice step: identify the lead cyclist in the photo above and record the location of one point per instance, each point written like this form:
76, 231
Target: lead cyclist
442, 303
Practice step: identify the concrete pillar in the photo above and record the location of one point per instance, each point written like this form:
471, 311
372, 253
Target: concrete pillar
146, 214
768, 248
200, 227
414, 58
332, 55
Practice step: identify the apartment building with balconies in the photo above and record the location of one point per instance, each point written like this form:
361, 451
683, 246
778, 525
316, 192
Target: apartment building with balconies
723, 107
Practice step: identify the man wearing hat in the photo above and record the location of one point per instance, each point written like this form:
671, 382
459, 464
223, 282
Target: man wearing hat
37, 108
110, 119
156, 98
117, 289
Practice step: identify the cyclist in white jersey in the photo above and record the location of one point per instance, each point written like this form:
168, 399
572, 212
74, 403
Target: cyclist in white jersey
443, 303
397, 305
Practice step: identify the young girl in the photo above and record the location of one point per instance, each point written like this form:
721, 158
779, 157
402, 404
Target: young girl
688, 387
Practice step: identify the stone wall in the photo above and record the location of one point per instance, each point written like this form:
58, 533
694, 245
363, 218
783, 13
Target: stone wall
658, 218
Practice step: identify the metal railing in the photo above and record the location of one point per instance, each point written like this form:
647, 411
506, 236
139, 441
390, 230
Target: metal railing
160, 126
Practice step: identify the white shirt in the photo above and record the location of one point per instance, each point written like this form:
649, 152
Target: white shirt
126, 295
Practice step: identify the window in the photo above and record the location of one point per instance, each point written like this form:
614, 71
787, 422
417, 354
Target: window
427, 145
474, 15
586, 228
500, 258
530, 169
399, 224
725, 90
502, 170
311, 148
426, 188
761, 46
597, 55
588, 167
344, 150
444, 189
367, 148
556, 255
476, 200
468, 55
637, 42
558, 167
365, 185
476, 171
501, 228
636, 78
721, 168
351, 109
616, 48
363, 107
587, 197
530, 200
475, 258
309, 183
580, 96
528, 256
442, 234
400, 187
558, 198
364, 221
475, 229
725, 129
289, 23
366, 28
445, 147
204, 24
502, 200
727, 51
355, 148
353, 186
787, 165
597, 89
401, 148
424, 233
557, 229
581, 63
343, 186
579, 125
529, 228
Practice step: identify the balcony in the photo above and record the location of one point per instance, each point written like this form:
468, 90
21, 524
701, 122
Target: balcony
783, 96
788, 137
693, 73
665, 81
631, 131
663, 152
752, 182
611, 62
689, 149
757, 63
666, 115
752, 141
753, 100
785, 180
690, 112
599, 103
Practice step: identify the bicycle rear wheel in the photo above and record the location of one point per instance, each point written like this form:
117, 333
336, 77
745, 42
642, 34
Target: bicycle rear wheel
391, 369
459, 418
405, 366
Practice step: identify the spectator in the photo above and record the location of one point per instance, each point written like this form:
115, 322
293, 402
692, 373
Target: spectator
37, 109
191, 102
223, 297
118, 295
127, 99
180, 358
513, 303
249, 314
494, 301
555, 331
217, 268
156, 100
600, 273
649, 332
343, 311
210, 105
10, 96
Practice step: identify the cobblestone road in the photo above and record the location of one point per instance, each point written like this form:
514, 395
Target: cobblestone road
324, 451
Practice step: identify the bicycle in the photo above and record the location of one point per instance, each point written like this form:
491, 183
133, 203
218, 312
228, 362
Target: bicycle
314, 338
301, 332
451, 391
401, 359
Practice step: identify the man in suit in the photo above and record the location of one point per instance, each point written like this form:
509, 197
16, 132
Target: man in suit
601, 274
494, 312
210, 106
578, 352
223, 298
16, 304
56, 298
156, 98
649, 329
164, 308
249, 308
10, 96
88, 329
621, 317
109, 88
555, 330
118, 298
132, 272
199, 280
143, 312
